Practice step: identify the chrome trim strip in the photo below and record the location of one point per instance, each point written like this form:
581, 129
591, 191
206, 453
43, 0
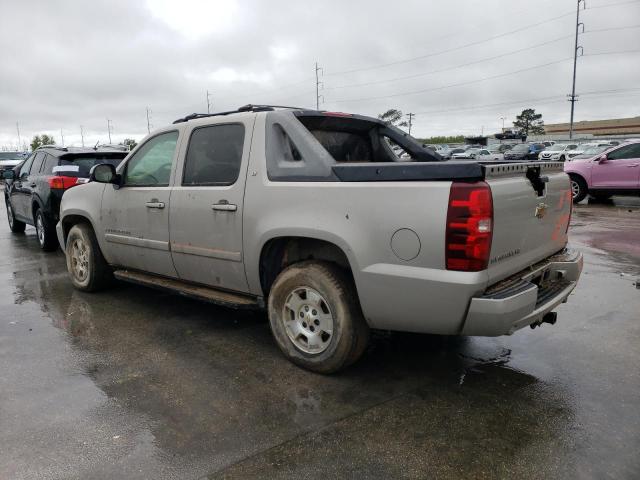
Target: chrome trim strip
206, 252
137, 242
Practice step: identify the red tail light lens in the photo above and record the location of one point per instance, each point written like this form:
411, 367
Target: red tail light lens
62, 183
469, 227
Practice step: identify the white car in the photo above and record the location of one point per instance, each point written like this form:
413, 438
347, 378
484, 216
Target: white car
557, 152
585, 146
474, 153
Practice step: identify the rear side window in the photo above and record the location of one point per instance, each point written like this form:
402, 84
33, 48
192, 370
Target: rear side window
629, 151
80, 166
214, 155
49, 163
37, 163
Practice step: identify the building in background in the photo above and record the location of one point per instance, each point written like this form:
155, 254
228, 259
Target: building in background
597, 128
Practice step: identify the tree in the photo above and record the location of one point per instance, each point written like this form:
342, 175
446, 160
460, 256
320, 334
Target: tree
529, 122
393, 117
130, 142
42, 140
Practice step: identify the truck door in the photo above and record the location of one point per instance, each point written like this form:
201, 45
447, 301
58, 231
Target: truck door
135, 214
621, 169
206, 205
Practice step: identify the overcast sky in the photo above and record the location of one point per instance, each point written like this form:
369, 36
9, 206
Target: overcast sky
71, 63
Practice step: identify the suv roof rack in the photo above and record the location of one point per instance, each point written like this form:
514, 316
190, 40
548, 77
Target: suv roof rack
55, 147
246, 108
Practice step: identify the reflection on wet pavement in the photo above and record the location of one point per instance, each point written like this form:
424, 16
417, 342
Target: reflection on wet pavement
133, 383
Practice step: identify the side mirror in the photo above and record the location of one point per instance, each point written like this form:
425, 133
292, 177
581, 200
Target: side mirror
9, 175
103, 173
603, 158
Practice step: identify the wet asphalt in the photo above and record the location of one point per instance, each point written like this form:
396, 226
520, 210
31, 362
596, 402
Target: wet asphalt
135, 383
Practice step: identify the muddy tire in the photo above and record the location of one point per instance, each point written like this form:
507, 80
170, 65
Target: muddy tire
579, 189
16, 226
315, 316
45, 232
87, 267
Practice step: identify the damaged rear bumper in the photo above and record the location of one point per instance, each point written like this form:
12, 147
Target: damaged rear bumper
524, 299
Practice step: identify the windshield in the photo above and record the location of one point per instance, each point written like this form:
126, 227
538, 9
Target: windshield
555, 148
520, 148
79, 166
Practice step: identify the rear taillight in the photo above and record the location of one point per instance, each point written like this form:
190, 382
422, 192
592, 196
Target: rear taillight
469, 227
62, 182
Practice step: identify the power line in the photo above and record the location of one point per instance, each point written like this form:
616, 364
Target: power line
491, 77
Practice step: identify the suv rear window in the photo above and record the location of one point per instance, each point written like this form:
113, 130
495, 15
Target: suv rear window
80, 165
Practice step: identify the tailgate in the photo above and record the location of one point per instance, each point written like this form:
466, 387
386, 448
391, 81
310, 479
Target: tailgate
532, 209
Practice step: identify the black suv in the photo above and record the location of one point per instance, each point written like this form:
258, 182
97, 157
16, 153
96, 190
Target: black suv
34, 190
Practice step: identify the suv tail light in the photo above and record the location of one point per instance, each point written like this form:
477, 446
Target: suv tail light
62, 182
469, 227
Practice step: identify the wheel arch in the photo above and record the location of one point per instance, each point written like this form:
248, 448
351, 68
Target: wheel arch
69, 221
279, 252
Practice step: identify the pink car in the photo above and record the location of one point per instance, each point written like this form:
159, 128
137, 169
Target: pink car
616, 171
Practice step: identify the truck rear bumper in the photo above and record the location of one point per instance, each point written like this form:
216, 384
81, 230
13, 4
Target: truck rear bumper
524, 299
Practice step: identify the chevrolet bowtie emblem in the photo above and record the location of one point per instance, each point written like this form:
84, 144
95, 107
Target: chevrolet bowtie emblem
541, 210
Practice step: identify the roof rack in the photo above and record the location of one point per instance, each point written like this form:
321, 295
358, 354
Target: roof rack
245, 108
55, 147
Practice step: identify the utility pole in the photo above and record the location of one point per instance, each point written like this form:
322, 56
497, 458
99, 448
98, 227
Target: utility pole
109, 129
82, 135
61, 137
149, 112
503, 119
208, 102
318, 84
18, 128
410, 115
573, 97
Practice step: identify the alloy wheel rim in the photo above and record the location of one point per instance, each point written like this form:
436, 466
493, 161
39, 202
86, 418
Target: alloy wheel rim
308, 320
40, 228
10, 215
79, 259
575, 188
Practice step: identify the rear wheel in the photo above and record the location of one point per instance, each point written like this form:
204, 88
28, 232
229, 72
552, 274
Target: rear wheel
87, 267
315, 317
579, 189
16, 226
46, 232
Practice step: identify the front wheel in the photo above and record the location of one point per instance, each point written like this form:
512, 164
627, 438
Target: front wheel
87, 267
16, 226
315, 317
579, 189
46, 232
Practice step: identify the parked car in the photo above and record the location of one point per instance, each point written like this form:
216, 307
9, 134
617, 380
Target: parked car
283, 209
452, 152
613, 172
511, 134
592, 152
557, 152
499, 147
33, 192
9, 160
473, 153
524, 151
585, 146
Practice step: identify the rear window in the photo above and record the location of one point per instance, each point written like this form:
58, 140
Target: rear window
80, 165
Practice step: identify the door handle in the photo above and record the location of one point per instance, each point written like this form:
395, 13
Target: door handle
224, 206
159, 205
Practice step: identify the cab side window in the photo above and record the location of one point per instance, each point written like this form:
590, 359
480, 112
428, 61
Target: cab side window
214, 155
49, 163
629, 151
151, 165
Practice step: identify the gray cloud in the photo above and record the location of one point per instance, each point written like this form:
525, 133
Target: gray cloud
71, 63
